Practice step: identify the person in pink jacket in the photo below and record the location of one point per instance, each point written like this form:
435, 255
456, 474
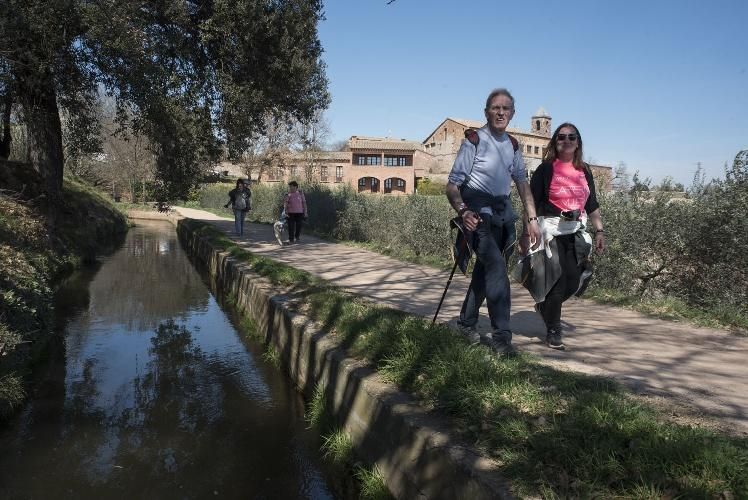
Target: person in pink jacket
296, 210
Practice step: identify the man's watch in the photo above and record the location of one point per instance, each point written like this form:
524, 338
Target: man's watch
461, 209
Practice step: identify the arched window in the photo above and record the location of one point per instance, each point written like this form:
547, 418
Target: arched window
537, 124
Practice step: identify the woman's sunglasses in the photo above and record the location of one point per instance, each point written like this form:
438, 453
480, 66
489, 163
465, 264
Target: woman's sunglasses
563, 137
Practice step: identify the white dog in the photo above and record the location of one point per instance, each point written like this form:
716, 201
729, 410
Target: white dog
279, 226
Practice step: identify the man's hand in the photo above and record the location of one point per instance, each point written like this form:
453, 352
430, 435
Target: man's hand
471, 220
533, 232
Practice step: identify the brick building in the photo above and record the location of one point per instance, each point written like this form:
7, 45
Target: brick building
370, 165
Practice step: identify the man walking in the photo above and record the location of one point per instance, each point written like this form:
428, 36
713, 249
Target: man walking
478, 188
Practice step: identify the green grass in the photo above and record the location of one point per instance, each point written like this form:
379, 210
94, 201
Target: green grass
316, 411
272, 356
337, 447
371, 482
552, 431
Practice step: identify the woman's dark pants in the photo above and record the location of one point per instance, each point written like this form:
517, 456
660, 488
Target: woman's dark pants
295, 222
567, 284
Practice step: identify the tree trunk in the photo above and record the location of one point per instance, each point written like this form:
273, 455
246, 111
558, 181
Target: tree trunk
6, 138
44, 133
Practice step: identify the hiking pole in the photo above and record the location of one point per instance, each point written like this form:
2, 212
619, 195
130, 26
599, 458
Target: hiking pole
449, 282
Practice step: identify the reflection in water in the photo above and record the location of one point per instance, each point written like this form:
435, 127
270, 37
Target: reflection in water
156, 395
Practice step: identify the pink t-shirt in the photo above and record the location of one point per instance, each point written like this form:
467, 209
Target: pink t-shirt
568, 189
295, 203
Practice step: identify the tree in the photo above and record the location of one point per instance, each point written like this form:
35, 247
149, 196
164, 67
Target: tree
195, 74
622, 179
311, 136
640, 185
266, 153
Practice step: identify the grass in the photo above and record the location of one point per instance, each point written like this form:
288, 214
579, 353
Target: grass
552, 432
371, 482
316, 411
337, 447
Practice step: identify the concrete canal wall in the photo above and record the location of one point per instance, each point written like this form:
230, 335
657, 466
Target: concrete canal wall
411, 447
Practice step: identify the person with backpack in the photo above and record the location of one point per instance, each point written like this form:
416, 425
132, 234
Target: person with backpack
296, 211
478, 189
564, 193
240, 199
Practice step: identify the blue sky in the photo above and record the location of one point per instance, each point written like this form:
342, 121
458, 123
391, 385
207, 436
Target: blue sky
658, 84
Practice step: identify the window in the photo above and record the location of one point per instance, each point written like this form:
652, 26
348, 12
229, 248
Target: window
293, 170
400, 183
537, 126
396, 161
537, 150
388, 184
323, 171
338, 174
368, 159
362, 182
529, 148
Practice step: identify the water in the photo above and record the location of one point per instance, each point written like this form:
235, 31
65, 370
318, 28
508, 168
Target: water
154, 394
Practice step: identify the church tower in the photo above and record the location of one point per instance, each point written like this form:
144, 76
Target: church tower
540, 123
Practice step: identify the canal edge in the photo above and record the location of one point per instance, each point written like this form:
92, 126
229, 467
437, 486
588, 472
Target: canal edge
412, 447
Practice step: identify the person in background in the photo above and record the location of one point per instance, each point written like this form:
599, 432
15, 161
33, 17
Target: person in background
240, 200
296, 210
565, 200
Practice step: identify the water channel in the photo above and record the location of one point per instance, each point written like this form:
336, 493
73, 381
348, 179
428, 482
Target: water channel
154, 393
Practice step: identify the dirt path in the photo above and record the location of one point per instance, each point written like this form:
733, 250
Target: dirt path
700, 372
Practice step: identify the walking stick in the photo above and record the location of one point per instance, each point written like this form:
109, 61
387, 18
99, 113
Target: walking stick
459, 255
449, 282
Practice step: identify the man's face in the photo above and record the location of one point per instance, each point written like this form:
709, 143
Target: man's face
499, 113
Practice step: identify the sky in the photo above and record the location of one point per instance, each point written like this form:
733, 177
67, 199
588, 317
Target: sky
660, 85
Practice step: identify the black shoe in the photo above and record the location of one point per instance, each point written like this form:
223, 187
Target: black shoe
501, 343
554, 339
470, 334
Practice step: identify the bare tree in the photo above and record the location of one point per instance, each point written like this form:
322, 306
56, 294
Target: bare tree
268, 153
311, 136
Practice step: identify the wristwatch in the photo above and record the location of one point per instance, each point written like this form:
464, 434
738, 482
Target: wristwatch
461, 209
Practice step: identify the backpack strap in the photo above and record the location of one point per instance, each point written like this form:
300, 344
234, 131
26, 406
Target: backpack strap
515, 142
472, 135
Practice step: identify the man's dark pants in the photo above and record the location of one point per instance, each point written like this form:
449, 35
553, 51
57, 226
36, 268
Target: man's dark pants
490, 281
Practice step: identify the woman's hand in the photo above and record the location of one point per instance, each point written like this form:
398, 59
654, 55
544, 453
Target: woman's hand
599, 243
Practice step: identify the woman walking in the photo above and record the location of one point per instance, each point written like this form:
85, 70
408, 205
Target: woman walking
295, 205
566, 205
240, 200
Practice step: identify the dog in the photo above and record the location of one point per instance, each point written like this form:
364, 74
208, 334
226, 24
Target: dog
279, 226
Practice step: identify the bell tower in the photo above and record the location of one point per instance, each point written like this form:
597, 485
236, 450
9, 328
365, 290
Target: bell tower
540, 123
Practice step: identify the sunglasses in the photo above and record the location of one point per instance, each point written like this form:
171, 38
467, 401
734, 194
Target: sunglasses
563, 137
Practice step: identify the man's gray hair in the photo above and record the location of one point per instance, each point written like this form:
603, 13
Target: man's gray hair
495, 92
